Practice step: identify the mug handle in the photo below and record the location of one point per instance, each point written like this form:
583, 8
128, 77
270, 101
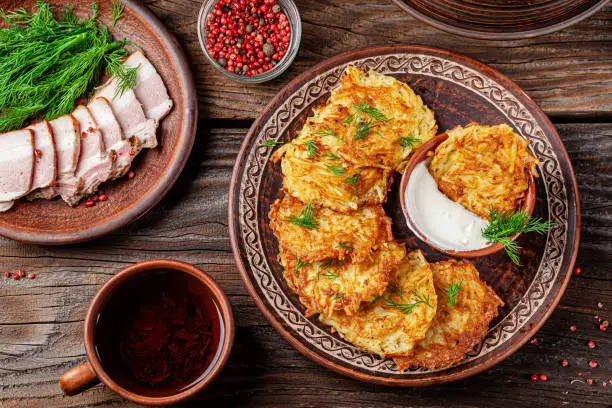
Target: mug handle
78, 379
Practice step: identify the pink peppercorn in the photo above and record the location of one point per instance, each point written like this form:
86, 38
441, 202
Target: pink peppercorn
593, 364
131, 174
31, 276
577, 271
599, 305
589, 381
591, 344
564, 363
103, 197
21, 273
16, 276
572, 328
543, 377
89, 203
7, 274
534, 377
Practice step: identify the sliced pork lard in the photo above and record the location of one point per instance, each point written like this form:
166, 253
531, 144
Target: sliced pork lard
68, 147
112, 136
150, 89
16, 165
45, 168
129, 113
95, 165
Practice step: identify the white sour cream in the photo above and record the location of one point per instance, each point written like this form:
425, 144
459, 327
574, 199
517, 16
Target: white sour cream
445, 223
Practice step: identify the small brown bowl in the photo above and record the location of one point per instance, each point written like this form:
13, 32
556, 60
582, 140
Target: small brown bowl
422, 154
92, 371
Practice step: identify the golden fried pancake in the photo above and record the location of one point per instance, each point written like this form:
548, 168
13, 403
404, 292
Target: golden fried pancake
325, 286
371, 119
456, 329
334, 235
394, 322
484, 168
330, 182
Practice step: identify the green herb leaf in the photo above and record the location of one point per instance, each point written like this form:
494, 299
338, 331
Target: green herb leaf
363, 130
452, 291
271, 143
408, 142
353, 117
299, 265
408, 307
326, 131
503, 226
353, 181
117, 12
338, 296
306, 218
371, 111
312, 148
337, 170
344, 245
330, 275
331, 156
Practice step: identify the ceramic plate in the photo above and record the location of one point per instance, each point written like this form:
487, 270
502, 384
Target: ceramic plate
459, 90
500, 19
156, 170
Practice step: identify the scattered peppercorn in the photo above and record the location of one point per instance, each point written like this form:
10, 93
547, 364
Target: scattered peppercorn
534, 340
577, 271
89, 203
16, 276
131, 174
593, 364
599, 305
21, 273
604, 325
103, 197
247, 37
572, 328
534, 377
591, 344
564, 363
589, 381
7, 274
31, 276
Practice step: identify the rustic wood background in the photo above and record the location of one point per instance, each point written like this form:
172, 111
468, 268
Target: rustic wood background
568, 73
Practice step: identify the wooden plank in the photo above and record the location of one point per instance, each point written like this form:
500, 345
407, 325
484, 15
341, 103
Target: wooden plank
41, 319
568, 73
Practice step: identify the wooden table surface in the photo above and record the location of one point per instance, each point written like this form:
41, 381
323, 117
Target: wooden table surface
568, 73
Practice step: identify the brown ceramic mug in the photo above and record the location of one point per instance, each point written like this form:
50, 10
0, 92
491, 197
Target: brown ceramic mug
93, 371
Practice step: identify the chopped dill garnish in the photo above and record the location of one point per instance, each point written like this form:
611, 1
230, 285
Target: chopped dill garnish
299, 265
47, 64
271, 143
305, 219
452, 291
117, 12
393, 287
353, 181
331, 156
337, 170
503, 226
363, 130
344, 245
408, 307
312, 148
330, 275
371, 111
326, 131
338, 296
408, 142
353, 117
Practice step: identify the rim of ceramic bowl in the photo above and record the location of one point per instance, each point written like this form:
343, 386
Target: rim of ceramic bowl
104, 293
422, 154
295, 22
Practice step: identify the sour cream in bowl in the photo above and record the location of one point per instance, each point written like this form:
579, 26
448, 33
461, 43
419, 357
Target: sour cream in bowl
440, 222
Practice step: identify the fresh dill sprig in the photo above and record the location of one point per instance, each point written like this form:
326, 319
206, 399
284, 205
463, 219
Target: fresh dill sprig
47, 64
502, 226
337, 296
330, 275
331, 156
363, 130
117, 12
326, 131
337, 170
298, 265
371, 111
407, 307
271, 143
305, 219
353, 117
344, 245
393, 287
408, 142
353, 181
312, 148
452, 291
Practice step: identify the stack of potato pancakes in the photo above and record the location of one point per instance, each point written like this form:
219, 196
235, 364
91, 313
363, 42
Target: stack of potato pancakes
335, 240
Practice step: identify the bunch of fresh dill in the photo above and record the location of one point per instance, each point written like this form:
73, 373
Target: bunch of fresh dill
46, 64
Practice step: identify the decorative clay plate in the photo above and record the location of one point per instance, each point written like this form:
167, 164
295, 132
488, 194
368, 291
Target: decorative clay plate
500, 19
53, 222
459, 90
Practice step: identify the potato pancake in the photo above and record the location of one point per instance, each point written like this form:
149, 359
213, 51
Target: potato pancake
371, 119
331, 182
484, 168
333, 234
458, 328
393, 323
325, 286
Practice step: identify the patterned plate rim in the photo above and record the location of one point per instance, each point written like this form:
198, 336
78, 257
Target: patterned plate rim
505, 88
